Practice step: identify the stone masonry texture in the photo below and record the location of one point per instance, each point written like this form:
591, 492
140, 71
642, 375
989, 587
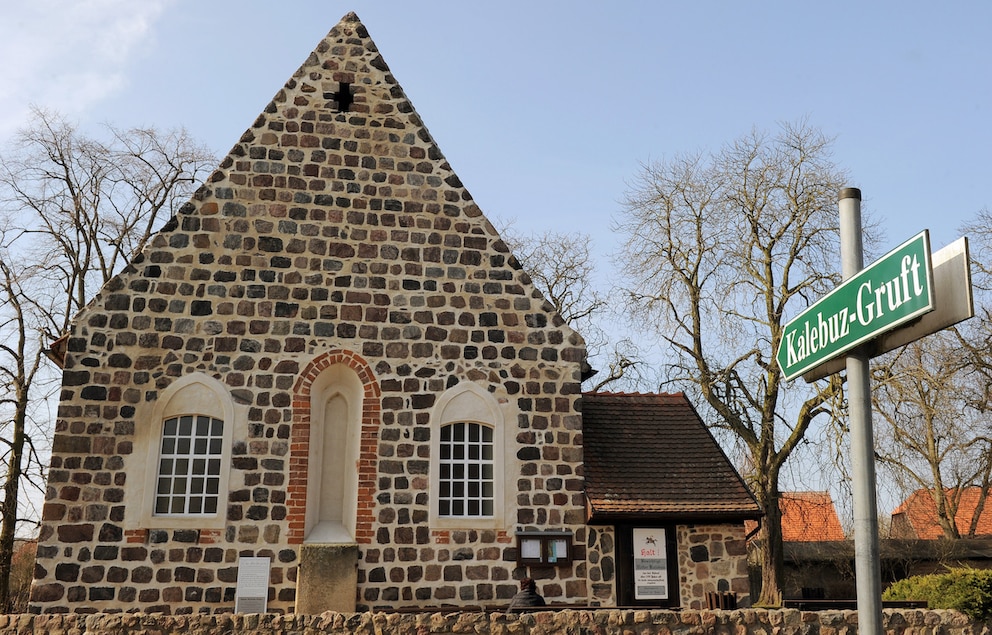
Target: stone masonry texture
597, 622
330, 232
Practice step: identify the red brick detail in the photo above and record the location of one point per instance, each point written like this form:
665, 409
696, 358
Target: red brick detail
136, 536
441, 537
299, 451
210, 536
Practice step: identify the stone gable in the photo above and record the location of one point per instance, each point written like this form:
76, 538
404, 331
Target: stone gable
334, 235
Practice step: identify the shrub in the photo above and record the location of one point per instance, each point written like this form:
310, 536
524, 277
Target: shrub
965, 590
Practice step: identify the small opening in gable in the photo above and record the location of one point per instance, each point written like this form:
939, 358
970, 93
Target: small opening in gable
342, 98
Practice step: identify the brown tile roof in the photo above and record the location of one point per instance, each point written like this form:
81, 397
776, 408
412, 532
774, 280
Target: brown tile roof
808, 517
649, 457
916, 517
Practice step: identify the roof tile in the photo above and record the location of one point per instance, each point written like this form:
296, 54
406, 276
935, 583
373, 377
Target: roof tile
809, 517
649, 455
916, 517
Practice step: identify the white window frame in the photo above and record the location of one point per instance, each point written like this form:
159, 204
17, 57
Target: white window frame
466, 482
196, 394
468, 402
189, 466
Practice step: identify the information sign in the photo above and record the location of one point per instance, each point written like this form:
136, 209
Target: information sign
252, 590
650, 564
896, 288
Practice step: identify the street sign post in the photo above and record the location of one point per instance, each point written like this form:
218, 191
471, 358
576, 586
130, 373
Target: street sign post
953, 303
867, 565
895, 289
887, 304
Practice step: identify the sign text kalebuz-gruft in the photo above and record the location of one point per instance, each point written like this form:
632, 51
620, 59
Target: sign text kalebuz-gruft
891, 291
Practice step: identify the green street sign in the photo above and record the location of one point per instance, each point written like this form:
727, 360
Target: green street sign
896, 288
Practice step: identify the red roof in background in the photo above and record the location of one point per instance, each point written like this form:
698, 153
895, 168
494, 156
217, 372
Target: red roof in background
916, 517
649, 456
808, 517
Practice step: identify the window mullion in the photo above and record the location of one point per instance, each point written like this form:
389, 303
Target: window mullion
181, 465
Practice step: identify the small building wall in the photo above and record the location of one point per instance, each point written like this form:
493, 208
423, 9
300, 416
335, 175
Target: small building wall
601, 561
712, 558
826, 569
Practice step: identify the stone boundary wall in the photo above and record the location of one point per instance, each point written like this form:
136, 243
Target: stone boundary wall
572, 622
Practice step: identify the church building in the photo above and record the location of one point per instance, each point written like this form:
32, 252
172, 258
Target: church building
327, 384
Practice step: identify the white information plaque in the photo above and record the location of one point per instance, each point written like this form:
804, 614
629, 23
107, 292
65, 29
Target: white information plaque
650, 565
253, 585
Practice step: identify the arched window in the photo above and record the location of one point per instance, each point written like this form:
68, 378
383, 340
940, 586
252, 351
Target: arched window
183, 447
189, 466
468, 459
466, 480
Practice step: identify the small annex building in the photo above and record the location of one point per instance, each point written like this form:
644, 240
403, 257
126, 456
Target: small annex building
326, 384
658, 478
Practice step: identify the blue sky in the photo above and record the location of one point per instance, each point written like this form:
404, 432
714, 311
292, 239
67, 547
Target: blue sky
547, 109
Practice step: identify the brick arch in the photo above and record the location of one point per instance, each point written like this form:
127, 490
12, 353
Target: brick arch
296, 500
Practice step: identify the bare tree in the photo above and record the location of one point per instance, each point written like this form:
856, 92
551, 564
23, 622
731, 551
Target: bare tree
88, 205
933, 438
75, 210
975, 336
20, 365
561, 265
720, 250
21, 573
968, 346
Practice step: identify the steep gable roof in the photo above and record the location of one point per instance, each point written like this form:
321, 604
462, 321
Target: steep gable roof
336, 172
916, 517
649, 457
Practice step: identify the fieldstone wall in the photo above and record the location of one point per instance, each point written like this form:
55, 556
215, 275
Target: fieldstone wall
712, 558
579, 622
332, 230
601, 564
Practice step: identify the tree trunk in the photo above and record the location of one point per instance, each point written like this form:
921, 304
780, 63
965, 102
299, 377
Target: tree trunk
11, 491
945, 512
772, 552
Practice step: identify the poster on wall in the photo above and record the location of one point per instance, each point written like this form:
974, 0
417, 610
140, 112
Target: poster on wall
650, 564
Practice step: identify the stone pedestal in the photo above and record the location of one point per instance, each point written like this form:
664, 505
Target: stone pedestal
327, 578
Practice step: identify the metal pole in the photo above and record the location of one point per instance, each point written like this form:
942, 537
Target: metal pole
866, 553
